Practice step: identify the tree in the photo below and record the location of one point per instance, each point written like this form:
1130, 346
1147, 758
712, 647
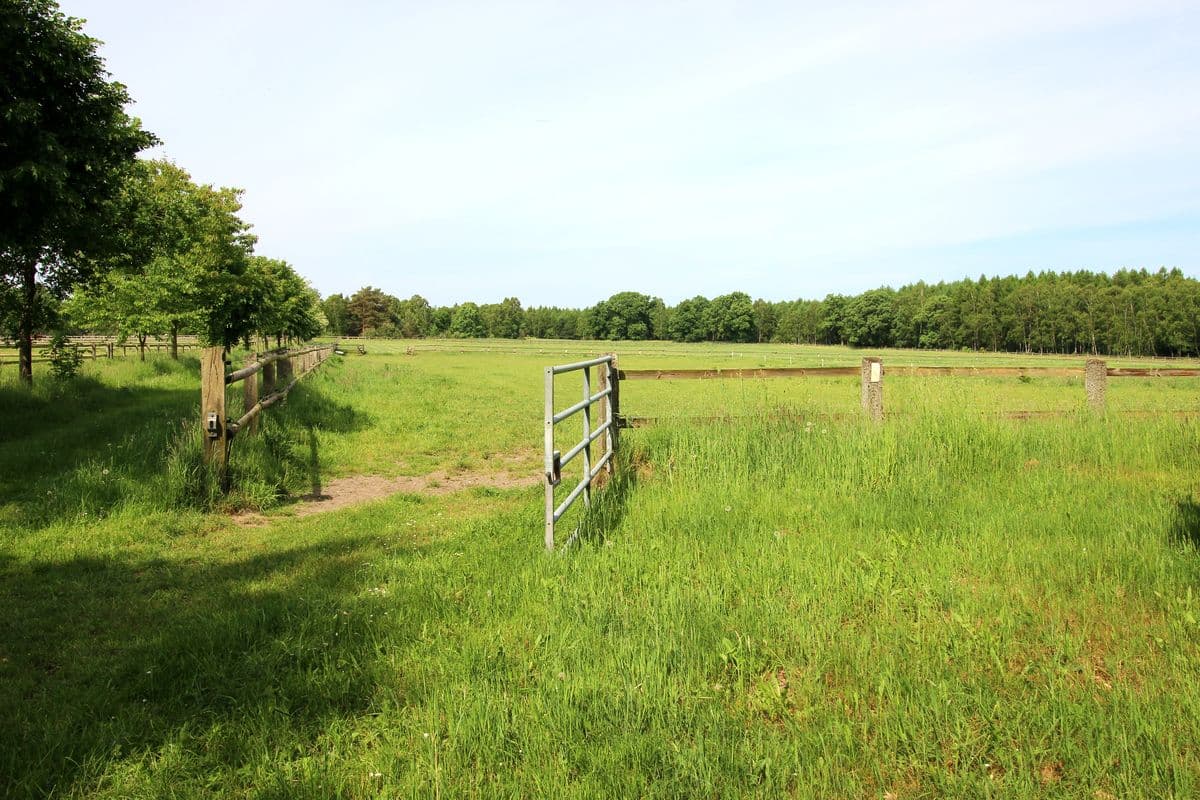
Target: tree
730, 318
503, 320
288, 306
65, 146
368, 309
467, 323
625, 315
413, 317
337, 315
687, 323
870, 319
178, 262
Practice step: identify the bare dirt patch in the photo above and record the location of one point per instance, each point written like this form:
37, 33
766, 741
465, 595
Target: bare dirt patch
354, 490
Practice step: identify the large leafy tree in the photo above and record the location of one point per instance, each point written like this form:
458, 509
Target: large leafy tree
625, 315
467, 322
337, 316
503, 320
180, 262
65, 144
289, 308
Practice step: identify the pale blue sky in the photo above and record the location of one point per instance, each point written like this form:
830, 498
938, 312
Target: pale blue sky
563, 151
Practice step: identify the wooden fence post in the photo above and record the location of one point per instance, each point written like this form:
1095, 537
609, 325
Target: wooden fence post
212, 411
283, 372
872, 387
267, 387
250, 395
1095, 383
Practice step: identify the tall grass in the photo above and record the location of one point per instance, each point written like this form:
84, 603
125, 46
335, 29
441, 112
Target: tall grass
945, 605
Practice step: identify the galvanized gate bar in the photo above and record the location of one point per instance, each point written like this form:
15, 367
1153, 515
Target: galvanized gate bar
604, 431
582, 404
582, 364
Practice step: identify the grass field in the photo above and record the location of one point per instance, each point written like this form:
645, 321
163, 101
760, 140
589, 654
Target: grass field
952, 604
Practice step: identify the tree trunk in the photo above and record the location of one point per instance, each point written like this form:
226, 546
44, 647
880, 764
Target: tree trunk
175, 342
28, 315
142, 345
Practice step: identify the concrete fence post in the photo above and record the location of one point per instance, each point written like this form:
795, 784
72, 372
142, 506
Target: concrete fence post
872, 387
1095, 384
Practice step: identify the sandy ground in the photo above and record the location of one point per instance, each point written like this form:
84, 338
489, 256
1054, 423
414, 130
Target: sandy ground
341, 493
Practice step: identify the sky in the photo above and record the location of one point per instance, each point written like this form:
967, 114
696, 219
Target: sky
563, 151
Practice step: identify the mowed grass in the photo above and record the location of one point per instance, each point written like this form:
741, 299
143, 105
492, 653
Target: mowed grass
775, 604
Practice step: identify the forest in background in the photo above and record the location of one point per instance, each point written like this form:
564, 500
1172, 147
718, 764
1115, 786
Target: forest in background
1131, 312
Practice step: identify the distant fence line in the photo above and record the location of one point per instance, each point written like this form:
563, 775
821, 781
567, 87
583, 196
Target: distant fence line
534, 346
97, 347
266, 379
1095, 374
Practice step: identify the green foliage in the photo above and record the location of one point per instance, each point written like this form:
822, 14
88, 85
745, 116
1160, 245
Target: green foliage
625, 315
67, 143
288, 306
337, 314
181, 264
368, 310
65, 358
467, 322
1132, 312
503, 320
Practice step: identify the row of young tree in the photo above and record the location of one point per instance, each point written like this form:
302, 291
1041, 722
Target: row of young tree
94, 238
1131, 312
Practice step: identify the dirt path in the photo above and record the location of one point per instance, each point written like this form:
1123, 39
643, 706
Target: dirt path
341, 493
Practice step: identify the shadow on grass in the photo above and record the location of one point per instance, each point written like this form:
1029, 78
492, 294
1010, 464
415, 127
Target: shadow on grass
86, 447
104, 660
610, 503
1186, 528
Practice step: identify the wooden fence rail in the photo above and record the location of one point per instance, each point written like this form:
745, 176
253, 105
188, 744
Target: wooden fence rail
1095, 374
266, 380
106, 349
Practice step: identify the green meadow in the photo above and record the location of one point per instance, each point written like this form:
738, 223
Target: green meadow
779, 600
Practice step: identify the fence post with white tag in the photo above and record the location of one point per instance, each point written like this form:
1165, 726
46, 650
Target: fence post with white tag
872, 387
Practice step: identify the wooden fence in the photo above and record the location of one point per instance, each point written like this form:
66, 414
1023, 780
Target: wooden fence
97, 347
1095, 374
266, 380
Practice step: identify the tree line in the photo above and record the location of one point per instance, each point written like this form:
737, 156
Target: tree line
1130, 312
93, 237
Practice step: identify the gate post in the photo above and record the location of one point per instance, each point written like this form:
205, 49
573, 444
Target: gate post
212, 411
549, 467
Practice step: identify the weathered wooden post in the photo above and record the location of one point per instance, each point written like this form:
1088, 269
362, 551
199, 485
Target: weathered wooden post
872, 387
267, 387
110, 351
1095, 383
212, 411
250, 394
283, 372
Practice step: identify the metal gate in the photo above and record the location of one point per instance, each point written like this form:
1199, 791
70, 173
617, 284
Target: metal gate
607, 395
